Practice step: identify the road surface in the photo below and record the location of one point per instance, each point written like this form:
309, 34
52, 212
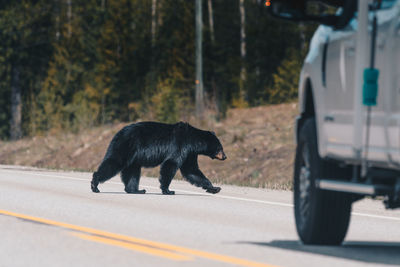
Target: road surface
50, 218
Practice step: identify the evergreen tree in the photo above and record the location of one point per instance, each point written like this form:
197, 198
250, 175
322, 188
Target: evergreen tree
286, 79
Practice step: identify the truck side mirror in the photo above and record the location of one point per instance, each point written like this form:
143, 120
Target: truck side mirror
299, 10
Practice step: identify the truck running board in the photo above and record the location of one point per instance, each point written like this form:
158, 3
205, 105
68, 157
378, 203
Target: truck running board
356, 188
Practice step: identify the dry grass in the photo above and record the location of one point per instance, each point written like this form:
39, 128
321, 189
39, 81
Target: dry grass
258, 142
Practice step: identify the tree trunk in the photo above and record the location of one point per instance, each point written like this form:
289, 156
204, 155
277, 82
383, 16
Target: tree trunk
69, 17
69, 33
57, 11
302, 37
159, 17
153, 22
16, 106
242, 45
216, 92
103, 95
199, 62
211, 21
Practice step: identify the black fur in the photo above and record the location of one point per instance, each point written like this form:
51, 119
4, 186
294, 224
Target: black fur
149, 144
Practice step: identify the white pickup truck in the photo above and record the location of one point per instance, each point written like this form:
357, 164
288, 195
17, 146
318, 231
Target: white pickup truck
345, 151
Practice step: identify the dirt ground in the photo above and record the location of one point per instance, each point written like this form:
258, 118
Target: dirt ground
259, 143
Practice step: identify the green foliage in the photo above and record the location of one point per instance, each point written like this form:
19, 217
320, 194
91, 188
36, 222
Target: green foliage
83, 109
240, 101
286, 79
166, 102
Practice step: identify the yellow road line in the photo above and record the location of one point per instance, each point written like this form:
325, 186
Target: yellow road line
127, 245
143, 242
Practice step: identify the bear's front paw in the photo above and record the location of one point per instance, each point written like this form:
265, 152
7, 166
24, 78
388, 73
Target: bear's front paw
167, 192
94, 188
213, 190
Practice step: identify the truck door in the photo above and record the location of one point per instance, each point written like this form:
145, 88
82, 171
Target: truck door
385, 133
340, 81
339, 69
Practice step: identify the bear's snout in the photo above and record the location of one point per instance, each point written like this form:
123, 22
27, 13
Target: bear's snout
220, 155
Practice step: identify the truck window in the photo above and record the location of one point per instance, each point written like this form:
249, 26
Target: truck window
388, 3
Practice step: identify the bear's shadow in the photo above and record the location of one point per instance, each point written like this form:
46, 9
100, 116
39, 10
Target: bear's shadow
159, 194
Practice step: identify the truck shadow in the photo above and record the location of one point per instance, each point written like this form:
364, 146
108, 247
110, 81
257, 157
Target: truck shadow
369, 252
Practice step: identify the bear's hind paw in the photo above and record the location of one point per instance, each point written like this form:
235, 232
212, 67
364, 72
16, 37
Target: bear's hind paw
168, 192
136, 192
95, 190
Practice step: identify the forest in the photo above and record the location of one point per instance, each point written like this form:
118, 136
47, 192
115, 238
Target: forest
68, 65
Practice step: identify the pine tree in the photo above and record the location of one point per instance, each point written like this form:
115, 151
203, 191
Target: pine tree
286, 79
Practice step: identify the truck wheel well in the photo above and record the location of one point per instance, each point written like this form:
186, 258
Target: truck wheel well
309, 110
309, 105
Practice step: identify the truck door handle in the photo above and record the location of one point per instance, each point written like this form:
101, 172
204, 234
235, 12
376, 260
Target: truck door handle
329, 118
380, 43
351, 50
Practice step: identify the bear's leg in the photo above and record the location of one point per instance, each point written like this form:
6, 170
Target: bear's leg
130, 177
167, 172
190, 170
107, 169
197, 178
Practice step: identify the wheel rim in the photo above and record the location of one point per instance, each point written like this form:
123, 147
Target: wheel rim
304, 184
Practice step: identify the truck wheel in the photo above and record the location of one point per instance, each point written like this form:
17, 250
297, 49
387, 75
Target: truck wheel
322, 217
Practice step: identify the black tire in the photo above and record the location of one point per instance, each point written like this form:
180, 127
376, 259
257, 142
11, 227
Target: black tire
322, 217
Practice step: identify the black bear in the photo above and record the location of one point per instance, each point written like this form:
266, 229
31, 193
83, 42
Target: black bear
149, 144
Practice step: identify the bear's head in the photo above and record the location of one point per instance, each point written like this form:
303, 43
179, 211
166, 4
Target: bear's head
214, 147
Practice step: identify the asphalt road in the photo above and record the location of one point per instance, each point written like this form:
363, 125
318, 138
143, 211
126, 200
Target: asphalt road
50, 218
